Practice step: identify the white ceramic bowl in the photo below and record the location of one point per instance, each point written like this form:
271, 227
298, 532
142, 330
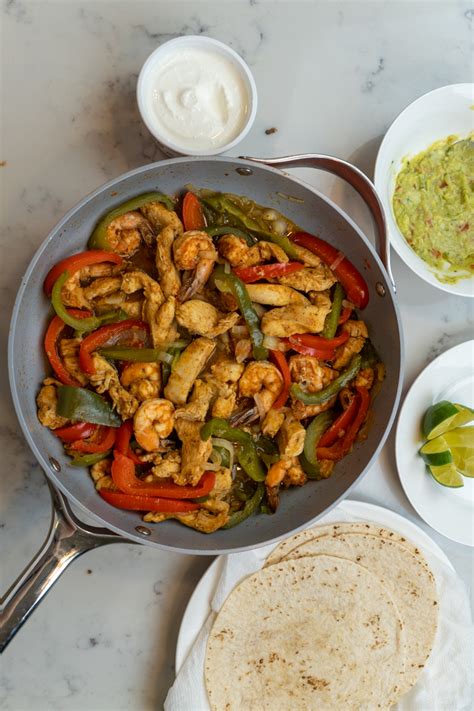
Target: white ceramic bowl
433, 116
145, 89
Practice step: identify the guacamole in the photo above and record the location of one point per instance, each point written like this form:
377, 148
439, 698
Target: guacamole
433, 203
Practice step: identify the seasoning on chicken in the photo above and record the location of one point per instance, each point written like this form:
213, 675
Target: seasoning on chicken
274, 295
236, 251
195, 452
317, 278
186, 370
297, 318
106, 379
204, 319
47, 399
358, 333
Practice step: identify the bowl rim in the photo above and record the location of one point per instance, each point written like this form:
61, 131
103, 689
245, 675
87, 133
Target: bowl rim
381, 182
244, 68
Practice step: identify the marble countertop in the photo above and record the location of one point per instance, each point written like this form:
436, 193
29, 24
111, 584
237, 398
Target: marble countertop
331, 77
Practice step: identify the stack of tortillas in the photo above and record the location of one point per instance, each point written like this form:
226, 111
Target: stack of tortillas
340, 617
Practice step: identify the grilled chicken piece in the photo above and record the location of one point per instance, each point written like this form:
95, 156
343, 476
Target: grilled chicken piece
204, 319
195, 452
358, 332
47, 399
69, 352
199, 402
291, 437
297, 318
189, 365
210, 517
310, 279
274, 295
238, 253
106, 379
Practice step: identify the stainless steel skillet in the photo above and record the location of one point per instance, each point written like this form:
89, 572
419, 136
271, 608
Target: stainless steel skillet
266, 184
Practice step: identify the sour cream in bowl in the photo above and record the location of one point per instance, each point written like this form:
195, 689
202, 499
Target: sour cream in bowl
196, 96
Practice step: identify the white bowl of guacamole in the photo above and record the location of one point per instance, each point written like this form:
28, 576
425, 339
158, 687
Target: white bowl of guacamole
424, 176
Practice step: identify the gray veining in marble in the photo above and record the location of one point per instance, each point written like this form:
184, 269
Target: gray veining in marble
331, 77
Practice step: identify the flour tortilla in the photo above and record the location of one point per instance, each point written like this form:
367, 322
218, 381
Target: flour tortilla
407, 579
312, 634
289, 544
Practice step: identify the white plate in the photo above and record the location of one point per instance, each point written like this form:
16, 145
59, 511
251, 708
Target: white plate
198, 607
433, 116
448, 511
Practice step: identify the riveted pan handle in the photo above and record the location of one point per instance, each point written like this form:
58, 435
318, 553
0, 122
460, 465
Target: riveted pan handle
357, 179
67, 539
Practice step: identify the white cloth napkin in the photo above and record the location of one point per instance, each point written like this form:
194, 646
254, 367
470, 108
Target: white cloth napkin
446, 681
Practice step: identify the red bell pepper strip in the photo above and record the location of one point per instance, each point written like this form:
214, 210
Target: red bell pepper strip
307, 339
267, 271
76, 262
104, 442
51, 337
72, 433
125, 479
279, 360
193, 216
122, 441
351, 279
321, 353
345, 315
111, 331
339, 427
131, 502
339, 449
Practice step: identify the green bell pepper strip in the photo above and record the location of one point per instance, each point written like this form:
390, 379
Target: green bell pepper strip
316, 428
137, 355
332, 389
332, 319
311, 470
80, 325
219, 230
109, 317
267, 450
98, 238
223, 205
247, 456
223, 454
251, 505
81, 405
240, 292
87, 460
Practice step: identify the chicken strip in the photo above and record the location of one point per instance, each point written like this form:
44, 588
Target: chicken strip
358, 332
204, 319
157, 311
195, 452
274, 295
291, 437
69, 352
210, 517
106, 379
47, 399
189, 365
310, 278
237, 252
296, 318
199, 402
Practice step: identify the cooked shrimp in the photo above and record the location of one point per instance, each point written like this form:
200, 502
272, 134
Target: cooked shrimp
158, 216
153, 421
72, 293
190, 363
297, 318
204, 319
143, 380
238, 253
358, 332
275, 294
262, 381
286, 472
194, 250
47, 400
313, 377
69, 352
106, 379
126, 232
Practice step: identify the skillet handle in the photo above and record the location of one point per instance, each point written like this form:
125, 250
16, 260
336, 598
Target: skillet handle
357, 179
67, 539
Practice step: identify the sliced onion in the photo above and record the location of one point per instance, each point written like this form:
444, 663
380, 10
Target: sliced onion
259, 404
280, 227
216, 457
339, 257
244, 417
271, 342
211, 467
259, 310
347, 304
239, 331
165, 357
182, 343
225, 444
226, 268
269, 214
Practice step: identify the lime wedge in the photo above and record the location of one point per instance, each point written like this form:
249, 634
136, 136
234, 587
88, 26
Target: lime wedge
437, 459
444, 416
460, 437
447, 475
463, 458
